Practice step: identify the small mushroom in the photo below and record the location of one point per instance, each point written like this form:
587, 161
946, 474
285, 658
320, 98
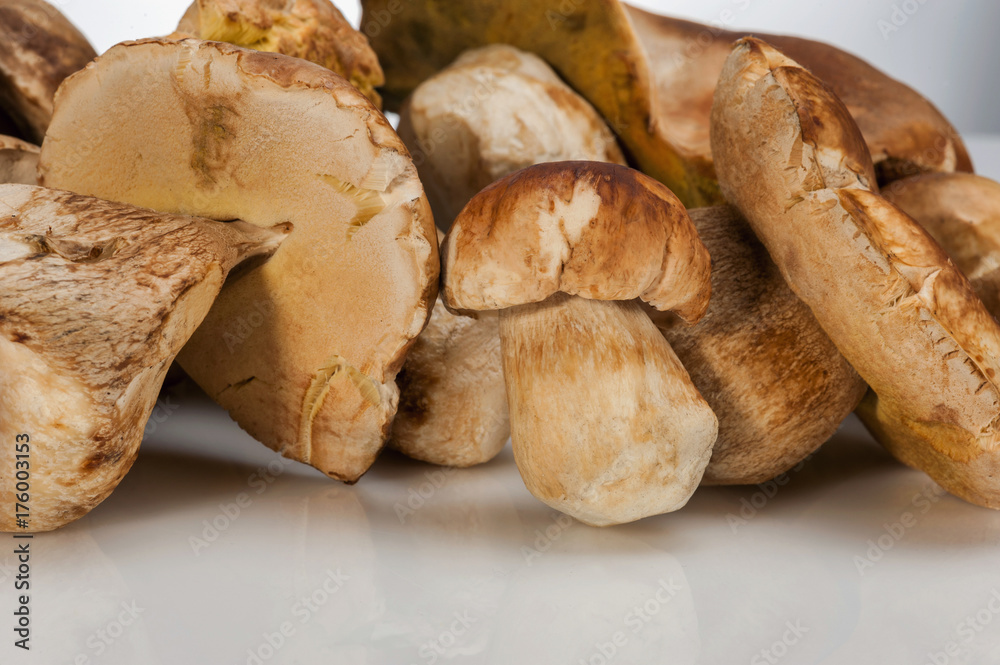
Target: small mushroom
887, 295
302, 351
96, 299
962, 212
41, 48
496, 110
605, 422
760, 359
18, 161
905, 133
313, 30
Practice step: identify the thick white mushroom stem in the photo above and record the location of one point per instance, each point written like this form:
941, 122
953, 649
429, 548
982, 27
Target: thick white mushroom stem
605, 422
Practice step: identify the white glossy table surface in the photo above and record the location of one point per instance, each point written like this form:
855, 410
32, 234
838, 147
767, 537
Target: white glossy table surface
854, 559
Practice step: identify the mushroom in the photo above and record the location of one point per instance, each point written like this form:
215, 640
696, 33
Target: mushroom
41, 48
759, 358
905, 133
605, 422
96, 299
18, 161
302, 351
494, 111
313, 30
962, 212
887, 295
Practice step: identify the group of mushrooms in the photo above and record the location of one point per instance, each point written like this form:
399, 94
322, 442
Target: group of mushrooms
669, 260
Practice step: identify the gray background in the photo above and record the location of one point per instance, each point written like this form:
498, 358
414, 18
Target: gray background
947, 49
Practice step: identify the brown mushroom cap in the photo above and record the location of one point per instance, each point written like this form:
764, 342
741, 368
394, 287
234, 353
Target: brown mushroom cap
313, 30
96, 299
41, 48
905, 133
563, 216
962, 212
759, 358
494, 111
887, 295
302, 351
18, 161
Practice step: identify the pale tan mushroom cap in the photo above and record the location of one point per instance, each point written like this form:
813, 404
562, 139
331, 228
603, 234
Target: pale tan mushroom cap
40, 49
302, 351
18, 161
599, 231
313, 30
96, 299
496, 110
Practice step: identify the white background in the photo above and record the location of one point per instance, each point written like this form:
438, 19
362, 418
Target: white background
948, 50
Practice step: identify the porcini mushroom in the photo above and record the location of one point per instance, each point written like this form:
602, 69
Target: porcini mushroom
772, 376
18, 161
313, 30
41, 48
962, 212
302, 351
905, 133
605, 422
496, 110
96, 299
887, 295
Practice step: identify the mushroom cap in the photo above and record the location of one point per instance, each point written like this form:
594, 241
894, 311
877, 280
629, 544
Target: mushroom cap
494, 111
313, 30
41, 48
589, 229
303, 350
96, 299
905, 133
18, 161
887, 295
590, 43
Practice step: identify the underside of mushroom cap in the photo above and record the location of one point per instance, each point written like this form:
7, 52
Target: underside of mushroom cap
302, 351
589, 229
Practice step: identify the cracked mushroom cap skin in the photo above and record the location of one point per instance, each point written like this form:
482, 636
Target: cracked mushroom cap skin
905, 133
792, 160
18, 161
775, 380
494, 111
591, 44
962, 212
605, 422
41, 48
303, 351
313, 30
96, 299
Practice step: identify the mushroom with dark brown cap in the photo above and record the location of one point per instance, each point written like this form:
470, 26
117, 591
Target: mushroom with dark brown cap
313, 30
962, 212
302, 351
96, 299
605, 422
40, 49
887, 295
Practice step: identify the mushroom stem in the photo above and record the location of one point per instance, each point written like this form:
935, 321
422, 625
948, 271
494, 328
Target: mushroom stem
605, 422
